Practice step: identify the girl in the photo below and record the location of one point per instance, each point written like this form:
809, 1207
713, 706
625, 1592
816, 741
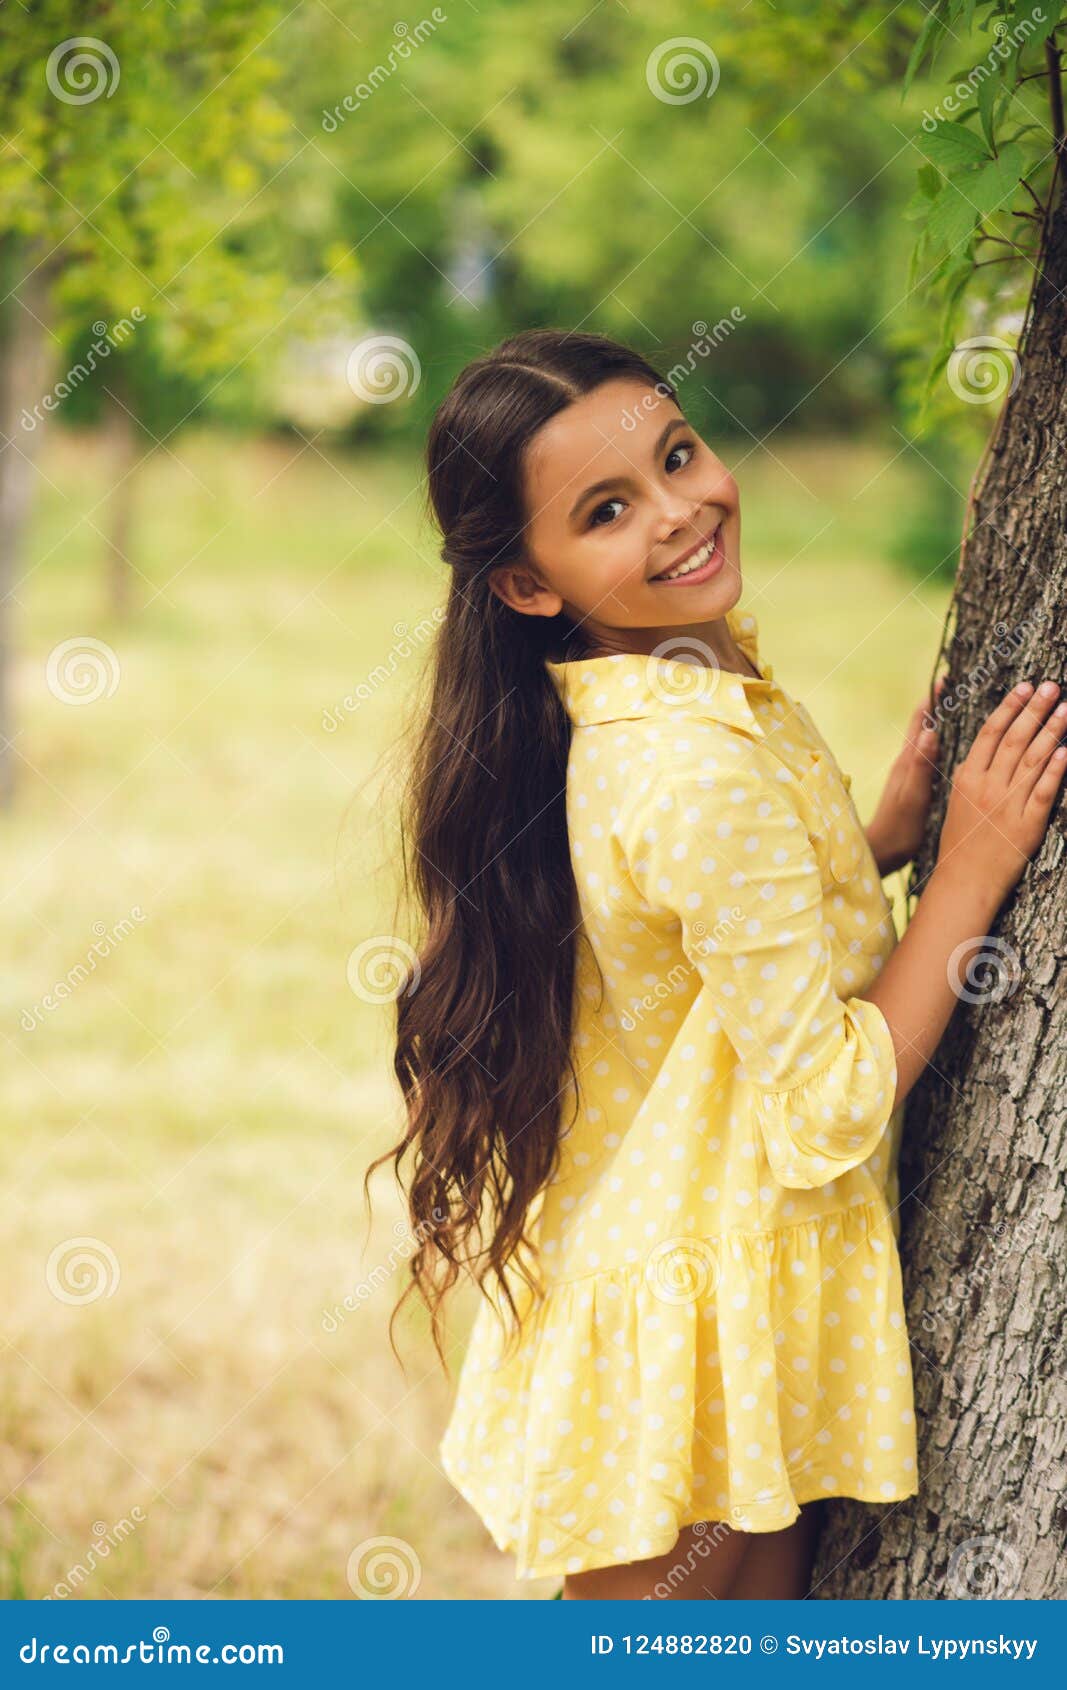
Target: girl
657, 1037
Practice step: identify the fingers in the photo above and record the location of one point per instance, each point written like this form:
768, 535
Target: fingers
1020, 733
1035, 756
1043, 792
922, 735
990, 734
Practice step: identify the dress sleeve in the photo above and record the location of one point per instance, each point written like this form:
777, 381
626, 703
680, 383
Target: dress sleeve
728, 853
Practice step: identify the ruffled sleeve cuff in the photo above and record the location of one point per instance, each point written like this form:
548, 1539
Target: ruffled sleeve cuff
834, 1119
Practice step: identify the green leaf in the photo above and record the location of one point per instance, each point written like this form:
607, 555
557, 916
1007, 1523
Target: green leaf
952, 147
952, 218
929, 185
929, 40
987, 93
954, 283
994, 187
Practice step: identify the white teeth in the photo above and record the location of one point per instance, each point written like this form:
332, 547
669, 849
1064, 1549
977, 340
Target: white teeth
695, 562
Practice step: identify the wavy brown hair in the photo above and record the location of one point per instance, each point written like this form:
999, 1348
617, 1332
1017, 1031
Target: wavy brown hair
484, 1012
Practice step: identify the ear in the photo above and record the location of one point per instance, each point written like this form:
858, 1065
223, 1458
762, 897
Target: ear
518, 586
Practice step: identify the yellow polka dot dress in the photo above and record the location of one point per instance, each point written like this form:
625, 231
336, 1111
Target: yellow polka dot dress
721, 1334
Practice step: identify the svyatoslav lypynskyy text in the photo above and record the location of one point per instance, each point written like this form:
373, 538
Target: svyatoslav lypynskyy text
937, 1648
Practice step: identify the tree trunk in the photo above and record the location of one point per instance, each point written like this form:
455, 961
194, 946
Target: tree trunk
124, 457
26, 359
984, 1228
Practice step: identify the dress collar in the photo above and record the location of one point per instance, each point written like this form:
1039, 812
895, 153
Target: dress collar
625, 686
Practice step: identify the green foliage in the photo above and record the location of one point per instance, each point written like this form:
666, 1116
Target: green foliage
990, 146
146, 162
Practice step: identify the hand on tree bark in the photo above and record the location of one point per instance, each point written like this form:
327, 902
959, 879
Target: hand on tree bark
897, 827
1004, 789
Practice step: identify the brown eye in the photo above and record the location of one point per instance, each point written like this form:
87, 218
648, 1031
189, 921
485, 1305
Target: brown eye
683, 446
606, 506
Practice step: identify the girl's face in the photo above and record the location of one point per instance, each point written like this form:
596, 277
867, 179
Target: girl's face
620, 492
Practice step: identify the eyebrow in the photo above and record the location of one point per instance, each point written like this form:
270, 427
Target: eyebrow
618, 480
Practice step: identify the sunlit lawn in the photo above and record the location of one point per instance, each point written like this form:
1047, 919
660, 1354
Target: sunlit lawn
205, 1100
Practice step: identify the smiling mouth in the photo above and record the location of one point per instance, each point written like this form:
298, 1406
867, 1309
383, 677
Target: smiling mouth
695, 561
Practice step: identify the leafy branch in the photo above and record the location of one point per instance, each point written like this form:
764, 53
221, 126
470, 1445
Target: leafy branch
981, 143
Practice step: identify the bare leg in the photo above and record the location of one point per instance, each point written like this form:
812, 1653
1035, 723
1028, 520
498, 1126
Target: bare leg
703, 1563
778, 1564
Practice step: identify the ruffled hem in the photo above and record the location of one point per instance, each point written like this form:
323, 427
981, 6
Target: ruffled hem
724, 1379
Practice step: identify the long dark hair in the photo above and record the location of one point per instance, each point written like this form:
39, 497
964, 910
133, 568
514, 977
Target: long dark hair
484, 1012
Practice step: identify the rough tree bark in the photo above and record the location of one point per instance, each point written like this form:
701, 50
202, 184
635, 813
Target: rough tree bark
983, 1217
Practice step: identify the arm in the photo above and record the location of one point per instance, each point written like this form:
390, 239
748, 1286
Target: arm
1002, 795
727, 853
919, 987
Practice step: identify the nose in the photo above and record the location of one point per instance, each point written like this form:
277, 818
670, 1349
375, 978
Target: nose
678, 514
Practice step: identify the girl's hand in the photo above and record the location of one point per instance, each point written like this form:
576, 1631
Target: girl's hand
1004, 789
898, 824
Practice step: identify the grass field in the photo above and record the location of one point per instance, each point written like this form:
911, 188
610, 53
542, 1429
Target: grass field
203, 1101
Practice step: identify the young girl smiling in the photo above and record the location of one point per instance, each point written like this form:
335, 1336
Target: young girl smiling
660, 1028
